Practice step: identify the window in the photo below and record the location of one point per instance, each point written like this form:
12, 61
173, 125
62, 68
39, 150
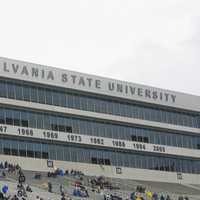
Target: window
3, 89
6, 151
6, 147
24, 119
61, 124
69, 129
49, 99
22, 90
14, 147
9, 117
16, 117
70, 100
14, 152
26, 93
107, 162
2, 117
63, 100
11, 91
37, 150
133, 137
18, 91
45, 150
41, 96
94, 160
146, 140
54, 125
33, 94
76, 102
22, 149
47, 123
32, 120
100, 161
140, 139
40, 121
45, 155
56, 98
30, 149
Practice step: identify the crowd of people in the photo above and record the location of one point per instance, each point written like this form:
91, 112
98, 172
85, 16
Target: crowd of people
9, 167
74, 173
101, 183
142, 194
97, 184
154, 196
148, 195
61, 172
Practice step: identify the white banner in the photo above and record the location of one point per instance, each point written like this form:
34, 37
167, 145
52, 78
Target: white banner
96, 141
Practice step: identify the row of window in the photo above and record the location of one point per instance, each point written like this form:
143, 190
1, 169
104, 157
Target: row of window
94, 156
58, 97
96, 128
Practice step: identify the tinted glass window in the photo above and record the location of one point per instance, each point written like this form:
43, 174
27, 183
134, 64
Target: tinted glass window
3, 90
11, 91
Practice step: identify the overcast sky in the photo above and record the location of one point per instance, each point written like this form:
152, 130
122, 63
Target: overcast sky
153, 42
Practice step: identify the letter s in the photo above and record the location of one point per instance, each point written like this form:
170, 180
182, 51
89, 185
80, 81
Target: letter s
64, 78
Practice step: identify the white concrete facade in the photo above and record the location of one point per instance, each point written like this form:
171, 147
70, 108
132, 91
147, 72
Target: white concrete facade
35, 73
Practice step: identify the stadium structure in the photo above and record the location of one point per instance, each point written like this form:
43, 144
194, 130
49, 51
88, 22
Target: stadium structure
54, 118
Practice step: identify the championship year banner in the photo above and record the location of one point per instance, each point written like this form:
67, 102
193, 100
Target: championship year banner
96, 141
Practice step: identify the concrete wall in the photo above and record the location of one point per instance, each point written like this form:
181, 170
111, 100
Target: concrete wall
23, 71
108, 171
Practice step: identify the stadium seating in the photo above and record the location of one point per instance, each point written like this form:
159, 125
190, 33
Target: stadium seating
78, 186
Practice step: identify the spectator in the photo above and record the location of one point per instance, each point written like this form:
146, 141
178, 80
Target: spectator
5, 165
132, 196
155, 196
67, 172
15, 197
3, 174
37, 176
86, 193
61, 189
149, 195
1, 165
168, 197
49, 187
63, 198
1, 195
28, 189
180, 198
107, 197
162, 197
5, 189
